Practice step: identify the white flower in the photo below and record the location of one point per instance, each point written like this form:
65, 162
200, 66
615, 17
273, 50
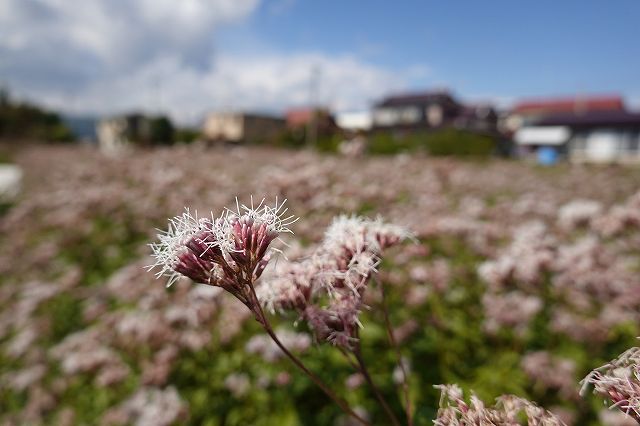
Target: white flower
275, 217
171, 243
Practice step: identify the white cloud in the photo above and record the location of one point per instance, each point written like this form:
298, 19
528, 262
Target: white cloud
66, 44
270, 83
116, 32
110, 56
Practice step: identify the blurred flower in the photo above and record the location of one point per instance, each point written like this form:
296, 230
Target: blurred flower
455, 411
552, 372
238, 384
265, 347
399, 371
354, 381
578, 213
339, 269
283, 378
149, 407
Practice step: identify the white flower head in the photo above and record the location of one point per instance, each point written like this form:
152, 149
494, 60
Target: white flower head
171, 243
356, 233
361, 266
222, 234
385, 234
345, 232
193, 246
276, 218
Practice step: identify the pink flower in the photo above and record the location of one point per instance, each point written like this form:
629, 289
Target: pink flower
228, 251
340, 270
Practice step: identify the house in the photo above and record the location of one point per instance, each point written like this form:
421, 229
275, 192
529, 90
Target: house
241, 127
116, 133
112, 135
431, 110
602, 136
529, 111
418, 110
298, 118
309, 126
479, 118
355, 121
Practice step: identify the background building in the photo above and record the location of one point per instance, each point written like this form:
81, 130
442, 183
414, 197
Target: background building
529, 111
418, 110
431, 110
117, 132
355, 121
597, 136
239, 127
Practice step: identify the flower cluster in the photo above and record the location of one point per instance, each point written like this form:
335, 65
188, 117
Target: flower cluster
338, 273
619, 381
551, 372
149, 407
77, 231
455, 411
229, 251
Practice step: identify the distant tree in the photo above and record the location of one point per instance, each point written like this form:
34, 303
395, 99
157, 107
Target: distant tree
162, 131
186, 135
24, 121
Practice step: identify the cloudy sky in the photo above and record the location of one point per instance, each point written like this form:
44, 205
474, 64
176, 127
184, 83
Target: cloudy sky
186, 57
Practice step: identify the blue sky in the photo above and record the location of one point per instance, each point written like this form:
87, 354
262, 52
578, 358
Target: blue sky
502, 48
191, 56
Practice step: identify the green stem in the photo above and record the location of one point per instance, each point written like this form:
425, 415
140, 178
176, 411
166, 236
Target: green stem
376, 391
262, 319
394, 344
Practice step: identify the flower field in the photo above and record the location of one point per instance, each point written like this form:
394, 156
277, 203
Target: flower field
517, 280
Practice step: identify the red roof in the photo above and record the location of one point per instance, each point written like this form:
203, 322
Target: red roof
299, 117
570, 105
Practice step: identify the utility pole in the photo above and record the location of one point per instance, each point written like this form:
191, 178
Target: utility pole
312, 124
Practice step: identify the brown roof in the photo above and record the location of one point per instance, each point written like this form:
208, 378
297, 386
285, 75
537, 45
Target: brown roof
417, 98
593, 119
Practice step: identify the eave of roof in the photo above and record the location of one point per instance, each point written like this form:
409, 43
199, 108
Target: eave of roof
592, 119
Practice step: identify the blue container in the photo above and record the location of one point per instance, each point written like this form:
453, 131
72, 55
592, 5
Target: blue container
547, 156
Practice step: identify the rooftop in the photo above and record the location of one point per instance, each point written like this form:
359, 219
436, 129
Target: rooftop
570, 104
592, 119
417, 98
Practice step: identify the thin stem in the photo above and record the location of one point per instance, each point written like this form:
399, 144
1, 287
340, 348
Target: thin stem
353, 364
376, 391
267, 326
394, 343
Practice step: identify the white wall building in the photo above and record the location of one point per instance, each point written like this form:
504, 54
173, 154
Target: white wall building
599, 137
240, 127
355, 121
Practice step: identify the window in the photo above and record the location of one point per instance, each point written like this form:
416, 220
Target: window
632, 144
410, 115
578, 142
385, 117
434, 115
